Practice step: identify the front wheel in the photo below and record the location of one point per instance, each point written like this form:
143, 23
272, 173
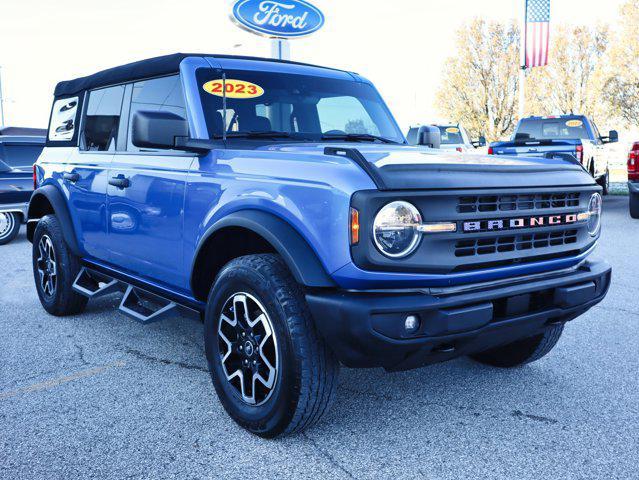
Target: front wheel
522, 351
9, 226
273, 373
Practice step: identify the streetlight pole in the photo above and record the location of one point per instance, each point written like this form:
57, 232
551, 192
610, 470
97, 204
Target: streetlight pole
1, 102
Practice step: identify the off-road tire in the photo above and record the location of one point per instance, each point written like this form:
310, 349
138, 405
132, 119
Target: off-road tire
307, 370
12, 227
522, 351
64, 300
634, 205
604, 182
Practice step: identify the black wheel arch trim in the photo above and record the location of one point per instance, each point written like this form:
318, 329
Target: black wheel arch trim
60, 209
296, 252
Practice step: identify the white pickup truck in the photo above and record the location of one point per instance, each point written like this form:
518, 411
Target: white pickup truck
576, 135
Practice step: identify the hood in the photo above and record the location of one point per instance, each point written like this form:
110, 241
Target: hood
403, 167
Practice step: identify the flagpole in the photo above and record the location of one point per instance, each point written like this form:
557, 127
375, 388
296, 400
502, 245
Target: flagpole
522, 92
522, 62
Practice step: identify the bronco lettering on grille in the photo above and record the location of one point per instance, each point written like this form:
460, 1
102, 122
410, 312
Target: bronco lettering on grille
516, 223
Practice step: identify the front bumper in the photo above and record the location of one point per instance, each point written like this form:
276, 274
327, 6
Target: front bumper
366, 329
21, 208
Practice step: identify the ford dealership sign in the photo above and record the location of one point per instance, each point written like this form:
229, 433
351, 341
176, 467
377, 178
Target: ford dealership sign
278, 18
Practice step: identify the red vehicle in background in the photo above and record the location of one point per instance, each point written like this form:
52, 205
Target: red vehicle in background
633, 180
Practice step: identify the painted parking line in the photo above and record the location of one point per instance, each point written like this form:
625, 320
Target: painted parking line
55, 382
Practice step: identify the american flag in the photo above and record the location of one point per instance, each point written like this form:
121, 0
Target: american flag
537, 35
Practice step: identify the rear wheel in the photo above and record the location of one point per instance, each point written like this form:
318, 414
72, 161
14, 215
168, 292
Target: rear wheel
9, 226
273, 373
634, 205
604, 182
55, 269
522, 351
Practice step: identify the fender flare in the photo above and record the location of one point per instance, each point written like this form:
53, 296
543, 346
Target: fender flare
296, 252
61, 211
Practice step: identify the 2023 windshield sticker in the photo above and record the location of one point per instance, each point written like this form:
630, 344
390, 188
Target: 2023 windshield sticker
239, 89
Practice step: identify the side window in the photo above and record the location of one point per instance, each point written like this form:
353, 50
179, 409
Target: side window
102, 120
63, 119
345, 115
158, 94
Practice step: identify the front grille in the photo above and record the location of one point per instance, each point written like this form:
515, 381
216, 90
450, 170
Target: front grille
511, 243
507, 203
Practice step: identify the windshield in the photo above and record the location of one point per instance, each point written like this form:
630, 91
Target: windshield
297, 106
565, 128
450, 135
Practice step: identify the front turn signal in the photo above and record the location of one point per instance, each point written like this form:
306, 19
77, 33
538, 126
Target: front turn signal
354, 226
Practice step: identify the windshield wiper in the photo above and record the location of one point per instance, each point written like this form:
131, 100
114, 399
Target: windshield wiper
267, 134
357, 137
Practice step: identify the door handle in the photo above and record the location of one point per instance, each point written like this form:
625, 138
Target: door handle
120, 182
72, 177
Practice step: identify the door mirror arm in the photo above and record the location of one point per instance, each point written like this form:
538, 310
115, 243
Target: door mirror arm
196, 145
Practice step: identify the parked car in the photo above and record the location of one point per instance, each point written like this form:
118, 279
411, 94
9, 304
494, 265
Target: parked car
633, 179
576, 135
281, 202
453, 137
19, 149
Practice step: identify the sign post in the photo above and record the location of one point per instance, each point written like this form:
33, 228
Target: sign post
280, 49
279, 20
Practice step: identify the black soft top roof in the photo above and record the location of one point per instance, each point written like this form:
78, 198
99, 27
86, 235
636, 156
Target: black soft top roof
151, 67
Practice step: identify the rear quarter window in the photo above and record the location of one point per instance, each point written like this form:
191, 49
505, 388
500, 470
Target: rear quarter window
64, 118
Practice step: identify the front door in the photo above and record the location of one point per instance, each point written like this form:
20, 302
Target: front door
145, 194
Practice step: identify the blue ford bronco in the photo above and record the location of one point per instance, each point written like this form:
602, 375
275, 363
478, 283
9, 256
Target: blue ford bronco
281, 202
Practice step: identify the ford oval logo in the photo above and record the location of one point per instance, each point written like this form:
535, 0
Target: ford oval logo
278, 18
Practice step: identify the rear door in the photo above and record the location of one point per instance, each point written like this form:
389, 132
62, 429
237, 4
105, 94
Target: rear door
146, 192
85, 173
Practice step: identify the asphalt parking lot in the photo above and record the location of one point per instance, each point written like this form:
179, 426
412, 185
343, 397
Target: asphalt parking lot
99, 395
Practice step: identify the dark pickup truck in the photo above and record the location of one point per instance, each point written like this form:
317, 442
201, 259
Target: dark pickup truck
19, 150
576, 135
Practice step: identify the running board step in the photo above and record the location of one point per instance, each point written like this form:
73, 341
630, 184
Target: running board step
93, 284
146, 307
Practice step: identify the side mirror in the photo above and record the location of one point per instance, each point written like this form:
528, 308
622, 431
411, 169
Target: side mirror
479, 143
158, 130
429, 136
613, 137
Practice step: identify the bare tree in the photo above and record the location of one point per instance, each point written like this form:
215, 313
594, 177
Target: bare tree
570, 82
621, 84
479, 87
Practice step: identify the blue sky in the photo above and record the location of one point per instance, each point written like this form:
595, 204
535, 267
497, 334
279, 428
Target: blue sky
400, 45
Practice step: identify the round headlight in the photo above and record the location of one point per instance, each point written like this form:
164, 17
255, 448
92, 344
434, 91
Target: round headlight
395, 229
594, 214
